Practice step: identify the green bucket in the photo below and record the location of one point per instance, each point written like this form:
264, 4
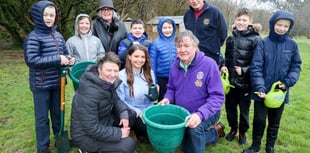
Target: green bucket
76, 71
165, 125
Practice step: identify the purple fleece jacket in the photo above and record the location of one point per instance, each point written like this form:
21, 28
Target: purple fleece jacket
199, 90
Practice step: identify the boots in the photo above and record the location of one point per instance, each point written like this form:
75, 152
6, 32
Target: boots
269, 150
255, 145
272, 133
250, 150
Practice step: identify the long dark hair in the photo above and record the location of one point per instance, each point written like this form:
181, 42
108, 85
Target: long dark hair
146, 67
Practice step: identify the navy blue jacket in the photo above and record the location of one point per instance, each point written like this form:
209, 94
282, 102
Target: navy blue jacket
42, 50
210, 28
163, 51
276, 58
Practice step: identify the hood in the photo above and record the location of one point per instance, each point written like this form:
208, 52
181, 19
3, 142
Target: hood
160, 25
37, 11
275, 17
76, 24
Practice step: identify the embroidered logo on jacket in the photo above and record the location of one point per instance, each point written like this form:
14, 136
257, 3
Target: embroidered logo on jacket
206, 21
199, 76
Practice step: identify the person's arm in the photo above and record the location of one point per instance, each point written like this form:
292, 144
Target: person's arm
294, 70
256, 68
121, 92
169, 96
222, 28
88, 116
33, 58
100, 49
153, 57
215, 99
121, 48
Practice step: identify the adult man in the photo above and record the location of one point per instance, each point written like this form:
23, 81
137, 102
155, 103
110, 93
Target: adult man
195, 84
208, 24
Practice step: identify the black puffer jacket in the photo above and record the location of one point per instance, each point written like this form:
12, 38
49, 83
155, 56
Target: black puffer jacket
109, 34
239, 52
95, 107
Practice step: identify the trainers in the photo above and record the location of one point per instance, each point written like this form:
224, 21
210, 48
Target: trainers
249, 150
220, 129
242, 138
231, 135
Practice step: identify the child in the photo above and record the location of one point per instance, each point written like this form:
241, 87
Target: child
45, 52
163, 52
135, 35
84, 46
239, 51
137, 77
276, 58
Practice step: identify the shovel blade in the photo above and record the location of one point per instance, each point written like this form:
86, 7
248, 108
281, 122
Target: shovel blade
62, 142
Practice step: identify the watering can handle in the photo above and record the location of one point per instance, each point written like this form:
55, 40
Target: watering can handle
225, 75
274, 85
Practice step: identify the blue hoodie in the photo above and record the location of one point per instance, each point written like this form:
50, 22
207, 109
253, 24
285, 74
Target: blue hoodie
162, 50
276, 58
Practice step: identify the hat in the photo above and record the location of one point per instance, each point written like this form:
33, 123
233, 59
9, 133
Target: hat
106, 3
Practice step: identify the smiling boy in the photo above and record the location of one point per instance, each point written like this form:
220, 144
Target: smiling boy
276, 58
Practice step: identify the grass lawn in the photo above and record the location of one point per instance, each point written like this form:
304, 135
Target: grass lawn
17, 133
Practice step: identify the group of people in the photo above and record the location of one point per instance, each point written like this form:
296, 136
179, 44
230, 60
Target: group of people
108, 105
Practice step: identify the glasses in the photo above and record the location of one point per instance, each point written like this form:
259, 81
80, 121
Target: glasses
106, 9
49, 15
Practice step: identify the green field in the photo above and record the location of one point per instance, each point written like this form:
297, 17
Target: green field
17, 115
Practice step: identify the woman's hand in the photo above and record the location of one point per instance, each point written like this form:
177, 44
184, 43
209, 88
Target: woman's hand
125, 132
124, 122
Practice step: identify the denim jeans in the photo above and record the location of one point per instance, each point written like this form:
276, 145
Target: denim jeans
45, 101
196, 139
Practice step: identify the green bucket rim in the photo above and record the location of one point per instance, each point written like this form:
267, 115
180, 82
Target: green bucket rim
72, 76
160, 126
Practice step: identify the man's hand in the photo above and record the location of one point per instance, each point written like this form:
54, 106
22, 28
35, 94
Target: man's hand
164, 101
193, 120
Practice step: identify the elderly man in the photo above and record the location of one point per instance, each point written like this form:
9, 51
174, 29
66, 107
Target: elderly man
195, 84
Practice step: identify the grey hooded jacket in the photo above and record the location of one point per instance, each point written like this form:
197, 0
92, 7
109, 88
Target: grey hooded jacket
84, 47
